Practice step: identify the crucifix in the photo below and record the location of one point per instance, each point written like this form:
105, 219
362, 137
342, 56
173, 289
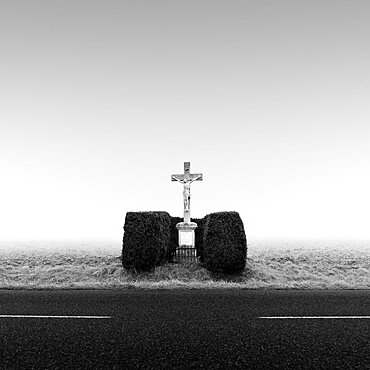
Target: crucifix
186, 179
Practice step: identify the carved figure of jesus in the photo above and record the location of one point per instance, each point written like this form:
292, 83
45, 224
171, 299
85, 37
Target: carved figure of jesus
186, 191
186, 196
186, 179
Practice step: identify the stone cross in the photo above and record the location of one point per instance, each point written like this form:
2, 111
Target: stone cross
186, 179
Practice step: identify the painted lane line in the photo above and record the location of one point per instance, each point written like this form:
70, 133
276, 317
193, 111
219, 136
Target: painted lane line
54, 317
314, 317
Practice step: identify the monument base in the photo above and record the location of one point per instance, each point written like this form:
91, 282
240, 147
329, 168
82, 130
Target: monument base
186, 249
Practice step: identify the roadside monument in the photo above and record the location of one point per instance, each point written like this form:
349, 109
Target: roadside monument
186, 228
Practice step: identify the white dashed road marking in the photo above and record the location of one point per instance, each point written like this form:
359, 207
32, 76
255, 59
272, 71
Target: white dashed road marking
53, 317
314, 317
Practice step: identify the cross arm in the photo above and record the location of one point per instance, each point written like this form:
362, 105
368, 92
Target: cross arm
179, 178
196, 177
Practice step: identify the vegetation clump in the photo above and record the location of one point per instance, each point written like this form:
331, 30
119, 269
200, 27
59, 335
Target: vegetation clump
224, 242
174, 238
199, 238
151, 238
146, 239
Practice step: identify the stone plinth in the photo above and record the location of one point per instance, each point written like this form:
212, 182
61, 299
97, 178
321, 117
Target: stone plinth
186, 249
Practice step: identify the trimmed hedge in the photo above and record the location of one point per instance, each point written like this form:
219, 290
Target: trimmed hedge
151, 238
224, 242
199, 238
174, 238
146, 239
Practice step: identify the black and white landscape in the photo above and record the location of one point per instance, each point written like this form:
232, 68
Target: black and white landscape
103, 101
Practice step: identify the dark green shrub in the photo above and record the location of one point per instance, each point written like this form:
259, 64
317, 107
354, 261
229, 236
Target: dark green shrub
145, 240
174, 238
199, 237
224, 243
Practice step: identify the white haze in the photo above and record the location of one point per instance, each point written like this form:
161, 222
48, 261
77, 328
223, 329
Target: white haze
101, 101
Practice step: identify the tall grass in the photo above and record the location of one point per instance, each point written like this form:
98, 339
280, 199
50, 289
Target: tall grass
271, 268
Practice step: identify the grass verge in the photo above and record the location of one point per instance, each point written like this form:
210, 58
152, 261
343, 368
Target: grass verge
266, 269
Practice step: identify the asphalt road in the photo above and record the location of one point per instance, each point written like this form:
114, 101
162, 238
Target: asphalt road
184, 329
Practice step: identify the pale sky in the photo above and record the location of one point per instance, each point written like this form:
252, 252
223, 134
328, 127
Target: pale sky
101, 101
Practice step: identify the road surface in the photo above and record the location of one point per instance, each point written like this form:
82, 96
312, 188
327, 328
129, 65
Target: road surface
184, 329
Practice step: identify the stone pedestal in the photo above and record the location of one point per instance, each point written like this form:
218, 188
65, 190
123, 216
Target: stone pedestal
186, 249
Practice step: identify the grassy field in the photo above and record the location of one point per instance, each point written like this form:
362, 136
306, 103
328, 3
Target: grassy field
267, 268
